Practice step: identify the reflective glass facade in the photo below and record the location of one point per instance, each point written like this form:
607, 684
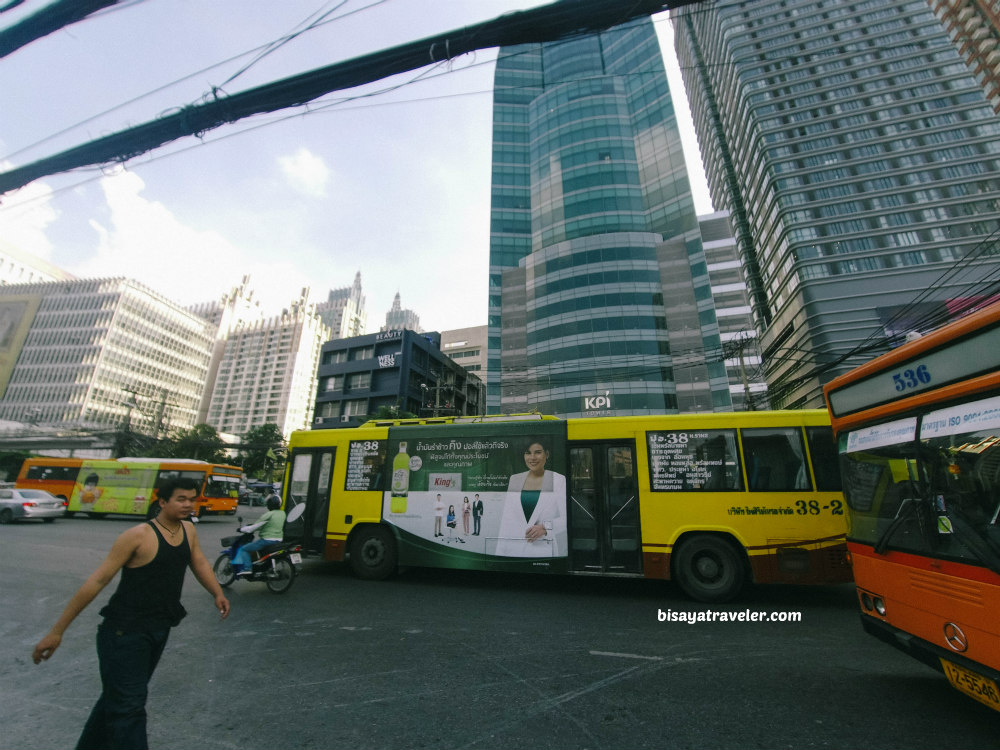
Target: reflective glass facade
859, 160
592, 222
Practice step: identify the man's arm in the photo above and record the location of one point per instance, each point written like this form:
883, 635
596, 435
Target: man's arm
203, 572
121, 552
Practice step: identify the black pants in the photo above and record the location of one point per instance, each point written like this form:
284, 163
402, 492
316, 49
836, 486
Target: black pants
127, 659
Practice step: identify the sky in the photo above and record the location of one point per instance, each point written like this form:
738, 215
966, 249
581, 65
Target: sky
392, 180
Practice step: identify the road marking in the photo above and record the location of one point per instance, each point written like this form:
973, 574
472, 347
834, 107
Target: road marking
626, 656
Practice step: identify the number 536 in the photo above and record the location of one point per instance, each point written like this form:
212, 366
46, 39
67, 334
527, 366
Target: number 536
911, 378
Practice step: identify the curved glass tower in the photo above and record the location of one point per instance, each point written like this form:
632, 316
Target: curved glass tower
600, 300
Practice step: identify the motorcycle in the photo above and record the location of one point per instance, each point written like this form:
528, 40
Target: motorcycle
276, 564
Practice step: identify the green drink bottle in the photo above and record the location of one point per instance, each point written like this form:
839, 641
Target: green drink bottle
400, 480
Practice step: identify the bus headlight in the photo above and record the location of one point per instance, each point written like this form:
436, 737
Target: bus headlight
872, 603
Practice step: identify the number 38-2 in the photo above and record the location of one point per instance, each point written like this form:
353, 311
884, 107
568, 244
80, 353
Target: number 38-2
911, 378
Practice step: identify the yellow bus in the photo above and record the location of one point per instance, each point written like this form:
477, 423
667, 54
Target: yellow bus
128, 485
710, 500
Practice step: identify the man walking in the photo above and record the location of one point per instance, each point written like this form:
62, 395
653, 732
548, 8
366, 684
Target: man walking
153, 557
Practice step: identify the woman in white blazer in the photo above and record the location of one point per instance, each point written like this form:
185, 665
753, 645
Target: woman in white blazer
533, 523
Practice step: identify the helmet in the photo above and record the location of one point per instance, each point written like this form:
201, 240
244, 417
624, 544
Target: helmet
273, 502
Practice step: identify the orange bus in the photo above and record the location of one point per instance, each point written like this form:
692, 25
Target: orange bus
54, 475
128, 485
918, 433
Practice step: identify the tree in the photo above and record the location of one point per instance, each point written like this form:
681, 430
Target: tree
391, 412
201, 442
263, 448
10, 463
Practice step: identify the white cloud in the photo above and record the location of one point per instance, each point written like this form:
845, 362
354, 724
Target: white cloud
305, 172
24, 217
143, 240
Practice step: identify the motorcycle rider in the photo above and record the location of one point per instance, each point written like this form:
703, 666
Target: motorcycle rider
271, 526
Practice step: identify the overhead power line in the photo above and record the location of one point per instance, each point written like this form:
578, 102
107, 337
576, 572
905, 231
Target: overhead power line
50, 18
547, 23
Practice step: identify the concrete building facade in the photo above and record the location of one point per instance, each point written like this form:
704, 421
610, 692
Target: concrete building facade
399, 369
267, 372
740, 348
974, 27
859, 161
467, 346
398, 318
344, 311
100, 354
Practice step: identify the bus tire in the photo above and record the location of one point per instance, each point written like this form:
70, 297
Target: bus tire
93, 514
373, 553
709, 568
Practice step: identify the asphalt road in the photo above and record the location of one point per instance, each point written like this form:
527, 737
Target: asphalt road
445, 659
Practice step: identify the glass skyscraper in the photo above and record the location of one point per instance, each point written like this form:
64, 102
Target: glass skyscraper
859, 160
600, 297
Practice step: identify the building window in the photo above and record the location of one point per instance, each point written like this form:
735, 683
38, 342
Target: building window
359, 380
356, 407
362, 352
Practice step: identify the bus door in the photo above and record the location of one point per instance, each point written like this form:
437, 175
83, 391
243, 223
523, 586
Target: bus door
309, 483
604, 534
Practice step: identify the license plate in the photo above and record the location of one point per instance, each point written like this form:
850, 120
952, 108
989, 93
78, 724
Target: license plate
295, 557
983, 689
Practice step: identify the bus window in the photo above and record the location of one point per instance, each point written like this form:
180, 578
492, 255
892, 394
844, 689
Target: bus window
219, 485
685, 460
775, 459
53, 473
823, 452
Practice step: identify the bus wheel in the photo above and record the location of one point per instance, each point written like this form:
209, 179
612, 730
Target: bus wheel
709, 569
373, 553
92, 514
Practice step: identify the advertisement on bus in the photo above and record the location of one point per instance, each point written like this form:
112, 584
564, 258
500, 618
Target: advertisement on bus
479, 496
113, 487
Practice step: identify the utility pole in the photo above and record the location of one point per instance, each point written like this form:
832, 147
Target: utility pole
737, 348
437, 395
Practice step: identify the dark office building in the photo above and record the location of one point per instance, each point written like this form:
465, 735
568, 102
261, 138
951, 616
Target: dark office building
397, 369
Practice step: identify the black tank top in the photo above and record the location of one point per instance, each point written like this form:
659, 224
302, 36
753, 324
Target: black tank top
149, 597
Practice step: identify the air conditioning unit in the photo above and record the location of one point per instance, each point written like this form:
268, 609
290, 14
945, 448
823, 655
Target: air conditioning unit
345, 417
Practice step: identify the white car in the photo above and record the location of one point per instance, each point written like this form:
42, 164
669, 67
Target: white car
17, 504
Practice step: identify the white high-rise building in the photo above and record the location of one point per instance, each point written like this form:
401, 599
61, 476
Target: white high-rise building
397, 318
100, 353
267, 372
344, 312
17, 267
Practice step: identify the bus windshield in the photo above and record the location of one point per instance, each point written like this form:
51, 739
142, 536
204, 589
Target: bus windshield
220, 485
929, 486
